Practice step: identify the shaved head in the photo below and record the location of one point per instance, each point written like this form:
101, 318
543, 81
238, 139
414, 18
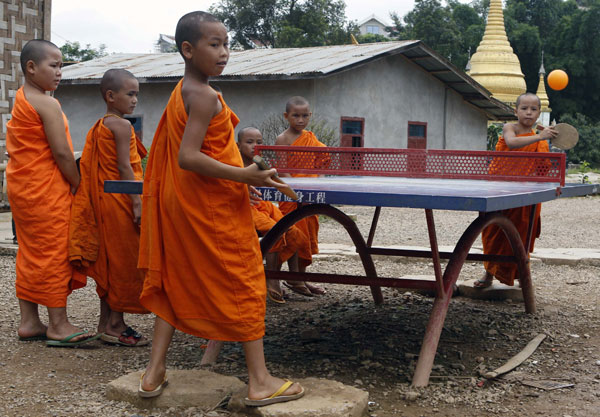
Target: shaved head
295, 101
113, 80
528, 95
189, 27
246, 130
35, 50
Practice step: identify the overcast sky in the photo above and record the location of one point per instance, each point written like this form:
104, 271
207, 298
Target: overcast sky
134, 25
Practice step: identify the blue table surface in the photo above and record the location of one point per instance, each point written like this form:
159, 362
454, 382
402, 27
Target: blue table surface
430, 193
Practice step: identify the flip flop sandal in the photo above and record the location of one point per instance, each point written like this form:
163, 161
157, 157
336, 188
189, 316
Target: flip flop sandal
275, 296
276, 397
155, 392
302, 290
129, 338
482, 283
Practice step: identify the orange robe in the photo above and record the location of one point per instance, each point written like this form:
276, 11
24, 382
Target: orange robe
198, 245
103, 240
265, 215
494, 241
40, 199
309, 225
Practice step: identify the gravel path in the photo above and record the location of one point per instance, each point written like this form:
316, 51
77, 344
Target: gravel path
344, 336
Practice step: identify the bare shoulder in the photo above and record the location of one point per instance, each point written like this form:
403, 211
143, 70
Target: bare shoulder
118, 126
283, 139
45, 105
509, 128
200, 97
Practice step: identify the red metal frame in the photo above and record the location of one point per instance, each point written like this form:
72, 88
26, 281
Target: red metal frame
455, 164
418, 163
441, 286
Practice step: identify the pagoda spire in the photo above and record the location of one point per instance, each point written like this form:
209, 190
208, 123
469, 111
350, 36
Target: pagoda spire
494, 65
541, 93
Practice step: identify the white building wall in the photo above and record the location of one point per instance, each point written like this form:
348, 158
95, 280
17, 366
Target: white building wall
388, 93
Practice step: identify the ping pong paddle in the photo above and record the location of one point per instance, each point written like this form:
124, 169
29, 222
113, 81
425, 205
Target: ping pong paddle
257, 159
567, 136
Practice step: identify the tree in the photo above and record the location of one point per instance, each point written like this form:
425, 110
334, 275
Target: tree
285, 23
588, 147
72, 51
371, 38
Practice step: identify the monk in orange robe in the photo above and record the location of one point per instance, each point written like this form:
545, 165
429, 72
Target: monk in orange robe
298, 114
104, 233
519, 136
198, 245
41, 179
265, 215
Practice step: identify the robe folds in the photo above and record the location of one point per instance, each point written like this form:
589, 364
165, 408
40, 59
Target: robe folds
309, 225
492, 237
265, 215
40, 200
198, 244
103, 239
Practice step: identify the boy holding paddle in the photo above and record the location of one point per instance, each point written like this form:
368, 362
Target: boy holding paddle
518, 136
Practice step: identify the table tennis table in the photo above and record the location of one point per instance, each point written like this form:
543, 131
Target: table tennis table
478, 181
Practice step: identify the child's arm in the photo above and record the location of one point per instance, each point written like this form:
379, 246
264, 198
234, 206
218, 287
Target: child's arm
121, 130
513, 141
202, 106
54, 127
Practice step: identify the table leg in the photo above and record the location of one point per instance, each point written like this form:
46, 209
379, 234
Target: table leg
339, 216
442, 301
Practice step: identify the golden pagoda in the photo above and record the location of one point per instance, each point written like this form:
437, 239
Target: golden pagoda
541, 93
494, 65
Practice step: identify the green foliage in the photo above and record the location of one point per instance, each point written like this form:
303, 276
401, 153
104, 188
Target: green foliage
72, 51
371, 38
285, 23
588, 148
494, 131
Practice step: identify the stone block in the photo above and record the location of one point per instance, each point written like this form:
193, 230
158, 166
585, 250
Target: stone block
187, 388
323, 398
497, 291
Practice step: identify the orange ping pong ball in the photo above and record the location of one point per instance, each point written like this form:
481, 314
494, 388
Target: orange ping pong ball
557, 80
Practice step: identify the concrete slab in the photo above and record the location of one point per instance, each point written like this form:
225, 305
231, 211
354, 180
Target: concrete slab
187, 388
497, 291
323, 398
568, 256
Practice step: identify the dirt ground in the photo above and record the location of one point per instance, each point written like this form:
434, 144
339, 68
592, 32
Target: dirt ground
343, 336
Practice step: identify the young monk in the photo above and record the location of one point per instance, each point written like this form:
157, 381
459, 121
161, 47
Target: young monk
265, 215
42, 178
298, 114
518, 136
104, 233
198, 245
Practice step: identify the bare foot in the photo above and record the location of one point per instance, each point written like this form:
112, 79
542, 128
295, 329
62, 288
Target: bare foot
33, 330
269, 387
315, 289
298, 287
65, 330
485, 281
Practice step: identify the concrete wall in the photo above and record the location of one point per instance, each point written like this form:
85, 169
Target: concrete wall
20, 21
388, 93
83, 106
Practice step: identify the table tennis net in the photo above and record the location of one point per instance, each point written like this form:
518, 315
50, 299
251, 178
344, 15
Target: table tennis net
417, 163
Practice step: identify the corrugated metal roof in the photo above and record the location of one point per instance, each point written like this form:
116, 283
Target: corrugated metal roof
275, 61
295, 63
